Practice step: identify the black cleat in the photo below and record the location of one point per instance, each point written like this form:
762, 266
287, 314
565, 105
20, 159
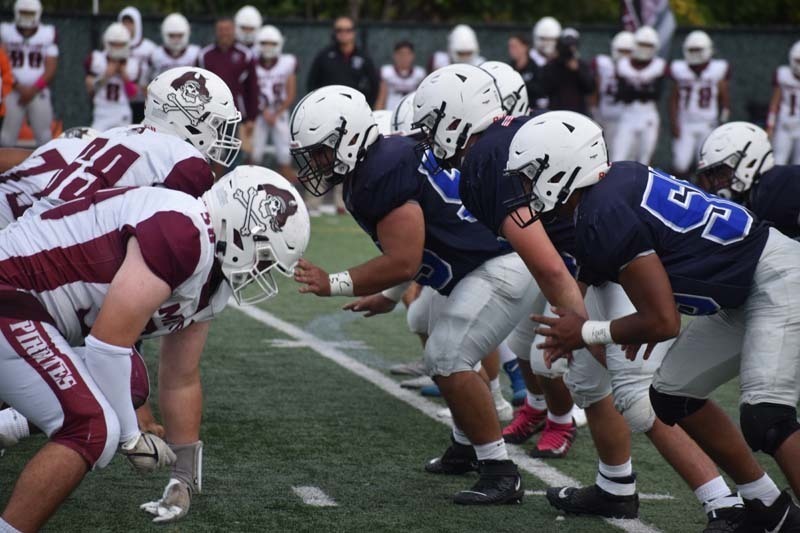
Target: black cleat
457, 459
726, 520
499, 483
782, 516
594, 501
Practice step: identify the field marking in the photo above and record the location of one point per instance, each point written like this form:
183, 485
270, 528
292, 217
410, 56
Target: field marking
642, 495
314, 496
546, 473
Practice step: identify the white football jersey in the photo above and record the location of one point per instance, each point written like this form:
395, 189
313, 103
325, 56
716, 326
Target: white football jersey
272, 81
398, 85
66, 256
537, 57
27, 54
111, 98
608, 107
789, 109
698, 92
22, 185
639, 78
162, 60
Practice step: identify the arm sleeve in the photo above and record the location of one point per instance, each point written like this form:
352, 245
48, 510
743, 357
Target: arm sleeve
170, 245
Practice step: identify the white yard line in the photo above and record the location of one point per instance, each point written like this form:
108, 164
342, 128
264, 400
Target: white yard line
549, 475
314, 496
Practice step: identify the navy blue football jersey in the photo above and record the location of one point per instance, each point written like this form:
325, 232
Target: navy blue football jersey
776, 198
392, 174
709, 246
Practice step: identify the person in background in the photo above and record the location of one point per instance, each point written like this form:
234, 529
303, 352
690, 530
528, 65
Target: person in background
783, 122
141, 50
175, 50
519, 48
567, 80
248, 22
7, 77
400, 78
33, 52
606, 107
462, 47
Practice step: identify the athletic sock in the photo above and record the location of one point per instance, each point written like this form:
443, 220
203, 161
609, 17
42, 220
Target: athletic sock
5, 527
13, 424
506, 355
716, 494
618, 480
537, 401
460, 437
493, 451
560, 419
763, 489
494, 385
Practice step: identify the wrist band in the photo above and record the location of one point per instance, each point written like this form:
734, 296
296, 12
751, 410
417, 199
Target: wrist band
130, 89
341, 284
396, 292
597, 332
40, 84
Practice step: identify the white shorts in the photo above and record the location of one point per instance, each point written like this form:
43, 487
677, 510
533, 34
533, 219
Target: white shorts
786, 143
686, 147
277, 135
759, 341
478, 314
418, 315
637, 133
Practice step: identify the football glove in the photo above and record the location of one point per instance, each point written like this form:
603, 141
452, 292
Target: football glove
173, 505
147, 452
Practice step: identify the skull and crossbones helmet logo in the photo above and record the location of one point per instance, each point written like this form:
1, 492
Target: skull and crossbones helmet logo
272, 209
190, 96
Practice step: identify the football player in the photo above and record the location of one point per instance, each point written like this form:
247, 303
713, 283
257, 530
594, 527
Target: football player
33, 52
164, 273
175, 50
248, 21
676, 249
462, 47
277, 85
783, 121
699, 100
141, 49
400, 197
607, 108
736, 162
111, 79
639, 88
400, 78
545, 35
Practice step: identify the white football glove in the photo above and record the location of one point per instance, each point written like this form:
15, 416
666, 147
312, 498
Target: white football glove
173, 505
147, 452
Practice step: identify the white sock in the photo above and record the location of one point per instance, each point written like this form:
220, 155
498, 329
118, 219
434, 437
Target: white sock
537, 401
493, 451
763, 489
560, 419
505, 352
13, 424
5, 527
711, 490
460, 437
617, 479
494, 385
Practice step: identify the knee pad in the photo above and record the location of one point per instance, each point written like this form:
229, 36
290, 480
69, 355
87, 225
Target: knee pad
766, 425
671, 409
417, 316
640, 415
140, 380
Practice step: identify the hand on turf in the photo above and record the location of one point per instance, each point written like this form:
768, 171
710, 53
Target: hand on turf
375, 304
173, 505
147, 452
631, 350
314, 279
562, 334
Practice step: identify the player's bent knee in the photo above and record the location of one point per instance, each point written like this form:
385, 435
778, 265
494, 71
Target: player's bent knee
671, 409
640, 415
92, 432
766, 426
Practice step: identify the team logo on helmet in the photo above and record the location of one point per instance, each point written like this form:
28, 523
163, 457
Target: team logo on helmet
272, 209
190, 96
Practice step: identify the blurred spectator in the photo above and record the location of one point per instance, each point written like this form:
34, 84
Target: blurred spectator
654, 13
141, 50
783, 121
235, 64
33, 53
606, 106
545, 34
519, 50
462, 47
400, 78
277, 82
175, 50
248, 22
344, 63
7, 78
567, 80
111, 75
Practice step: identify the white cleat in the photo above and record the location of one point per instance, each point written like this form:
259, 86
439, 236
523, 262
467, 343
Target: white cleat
505, 411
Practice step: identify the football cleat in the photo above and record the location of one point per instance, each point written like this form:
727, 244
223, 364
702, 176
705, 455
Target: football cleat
416, 383
556, 440
594, 501
414, 368
499, 483
726, 520
527, 422
173, 505
457, 459
430, 390
783, 515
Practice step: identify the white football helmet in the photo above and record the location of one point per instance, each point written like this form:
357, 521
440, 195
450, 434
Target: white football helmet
79, 132
794, 59
260, 223
732, 158
117, 41
545, 35
331, 129
270, 42
513, 91
27, 13
552, 155
403, 114
453, 103
622, 45
383, 118
175, 31
248, 22
197, 106
697, 48
647, 43
462, 44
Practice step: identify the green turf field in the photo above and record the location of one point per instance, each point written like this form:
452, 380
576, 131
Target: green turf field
279, 415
